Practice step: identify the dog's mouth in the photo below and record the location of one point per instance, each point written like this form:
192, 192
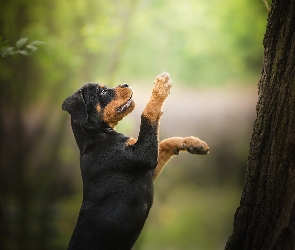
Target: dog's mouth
125, 106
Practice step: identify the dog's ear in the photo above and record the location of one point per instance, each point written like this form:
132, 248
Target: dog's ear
76, 107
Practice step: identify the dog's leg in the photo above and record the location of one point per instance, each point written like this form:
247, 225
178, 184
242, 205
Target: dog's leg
147, 144
172, 146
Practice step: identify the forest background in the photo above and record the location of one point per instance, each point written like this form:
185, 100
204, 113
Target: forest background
213, 52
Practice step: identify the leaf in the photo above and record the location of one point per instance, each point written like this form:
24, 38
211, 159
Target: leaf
21, 42
6, 52
9, 51
36, 43
31, 47
24, 52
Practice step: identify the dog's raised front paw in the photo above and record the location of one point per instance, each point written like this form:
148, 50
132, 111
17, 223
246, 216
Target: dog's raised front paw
162, 85
195, 146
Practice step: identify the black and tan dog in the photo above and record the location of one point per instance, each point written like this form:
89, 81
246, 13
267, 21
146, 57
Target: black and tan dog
118, 171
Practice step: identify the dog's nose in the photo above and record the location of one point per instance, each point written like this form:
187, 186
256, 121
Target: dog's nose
124, 85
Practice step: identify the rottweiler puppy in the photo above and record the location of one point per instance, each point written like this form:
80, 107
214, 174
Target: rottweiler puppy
118, 171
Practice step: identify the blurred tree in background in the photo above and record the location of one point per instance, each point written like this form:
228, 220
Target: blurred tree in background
201, 43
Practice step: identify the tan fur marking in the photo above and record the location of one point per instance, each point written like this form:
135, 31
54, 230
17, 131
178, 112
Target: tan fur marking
153, 110
110, 115
171, 146
130, 141
98, 108
161, 89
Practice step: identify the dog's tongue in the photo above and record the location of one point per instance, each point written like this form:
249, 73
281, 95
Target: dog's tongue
124, 106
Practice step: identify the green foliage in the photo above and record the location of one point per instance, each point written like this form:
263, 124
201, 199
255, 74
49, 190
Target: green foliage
20, 47
201, 42
198, 42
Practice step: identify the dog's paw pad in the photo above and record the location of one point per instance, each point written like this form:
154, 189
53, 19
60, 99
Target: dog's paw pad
195, 146
168, 84
163, 84
165, 78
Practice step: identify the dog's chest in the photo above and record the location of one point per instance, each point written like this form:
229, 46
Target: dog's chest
110, 170
106, 157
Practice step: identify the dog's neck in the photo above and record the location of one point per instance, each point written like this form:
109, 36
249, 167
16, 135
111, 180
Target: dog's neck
86, 134
90, 128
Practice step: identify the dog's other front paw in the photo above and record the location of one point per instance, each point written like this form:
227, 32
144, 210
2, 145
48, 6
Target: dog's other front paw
162, 85
195, 146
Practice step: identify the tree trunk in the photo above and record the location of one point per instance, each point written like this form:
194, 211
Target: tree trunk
265, 218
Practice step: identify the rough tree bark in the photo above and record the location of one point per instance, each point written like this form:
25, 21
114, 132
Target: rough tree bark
265, 219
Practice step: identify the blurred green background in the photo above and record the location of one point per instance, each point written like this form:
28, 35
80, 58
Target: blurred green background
213, 52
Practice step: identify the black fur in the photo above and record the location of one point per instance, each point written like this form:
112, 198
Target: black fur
117, 179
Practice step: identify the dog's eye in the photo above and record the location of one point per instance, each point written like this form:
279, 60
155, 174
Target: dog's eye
103, 92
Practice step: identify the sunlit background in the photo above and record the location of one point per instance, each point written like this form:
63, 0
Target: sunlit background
213, 52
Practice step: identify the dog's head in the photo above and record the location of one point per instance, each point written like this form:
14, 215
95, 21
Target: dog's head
96, 104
